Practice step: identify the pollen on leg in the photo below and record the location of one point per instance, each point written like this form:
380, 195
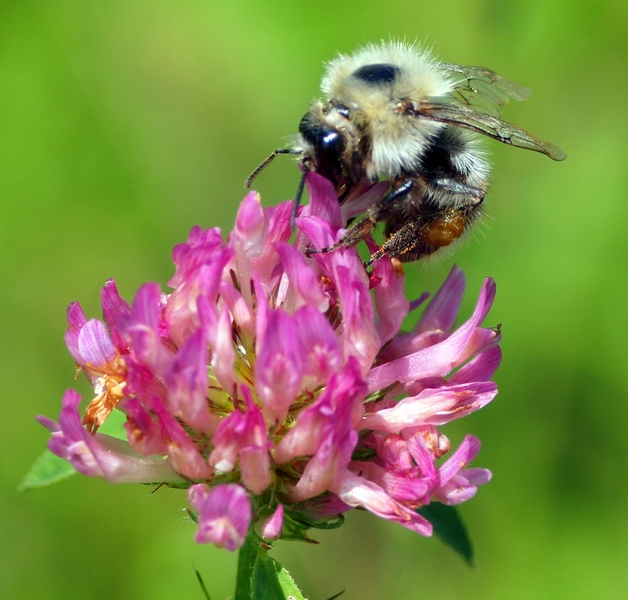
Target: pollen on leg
444, 230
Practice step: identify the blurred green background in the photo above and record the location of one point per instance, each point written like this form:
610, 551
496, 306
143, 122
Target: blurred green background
122, 124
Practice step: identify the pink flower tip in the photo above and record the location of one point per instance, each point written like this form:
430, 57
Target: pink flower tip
224, 514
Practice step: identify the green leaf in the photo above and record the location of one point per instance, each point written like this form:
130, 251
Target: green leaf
260, 577
247, 555
46, 470
202, 584
448, 526
270, 581
336, 595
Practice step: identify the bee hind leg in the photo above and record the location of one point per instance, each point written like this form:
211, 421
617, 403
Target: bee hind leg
377, 212
432, 225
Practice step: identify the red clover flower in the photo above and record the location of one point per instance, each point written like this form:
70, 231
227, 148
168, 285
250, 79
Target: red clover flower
278, 387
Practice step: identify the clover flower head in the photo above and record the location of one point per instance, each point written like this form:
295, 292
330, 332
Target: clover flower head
278, 387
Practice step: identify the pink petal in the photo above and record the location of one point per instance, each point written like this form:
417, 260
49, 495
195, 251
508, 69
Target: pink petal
439, 359
441, 312
303, 281
270, 526
101, 456
115, 312
390, 299
243, 435
76, 321
201, 246
279, 368
357, 491
183, 456
480, 368
224, 514
94, 345
186, 380
250, 227
319, 346
432, 407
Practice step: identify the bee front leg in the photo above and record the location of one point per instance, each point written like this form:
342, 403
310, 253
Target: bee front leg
267, 161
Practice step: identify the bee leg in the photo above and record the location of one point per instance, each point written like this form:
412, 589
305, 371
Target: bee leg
249, 180
464, 194
443, 215
362, 229
392, 196
406, 244
297, 199
356, 233
425, 234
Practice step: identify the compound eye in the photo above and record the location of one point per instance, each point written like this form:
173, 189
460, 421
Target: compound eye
343, 111
333, 139
376, 74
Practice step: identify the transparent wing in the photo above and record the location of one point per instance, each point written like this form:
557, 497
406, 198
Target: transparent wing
483, 89
507, 133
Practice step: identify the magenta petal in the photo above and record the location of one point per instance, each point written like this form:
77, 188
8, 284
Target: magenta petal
441, 312
187, 385
336, 411
143, 430
183, 456
202, 283
403, 486
303, 281
250, 228
240, 310
357, 491
75, 315
101, 455
330, 460
361, 198
279, 370
432, 407
146, 306
465, 453
318, 345
480, 368
320, 235
224, 514
242, 435
115, 312
270, 526
279, 230
390, 300
359, 337
202, 245
323, 200
441, 358
70, 441
218, 331
143, 331
456, 483
94, 345
254, 452
255, 237
326, 431
76, 321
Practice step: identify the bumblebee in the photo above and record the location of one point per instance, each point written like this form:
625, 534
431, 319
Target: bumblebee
393, 112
